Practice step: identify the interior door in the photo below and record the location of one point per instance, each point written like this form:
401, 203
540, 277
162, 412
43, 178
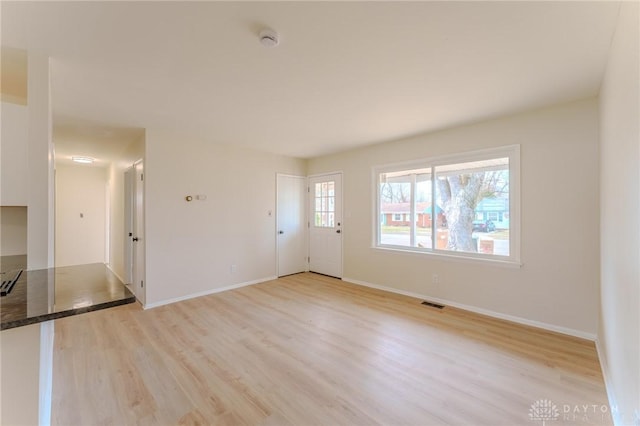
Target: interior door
290, 222
325, 224
138, 233
129, 190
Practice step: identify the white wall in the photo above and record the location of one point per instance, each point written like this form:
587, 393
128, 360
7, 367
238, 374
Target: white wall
619, 331
20, 375
25, 363
27, 161
14, 141
26, 374
192, 245
558, 282
117, 230
80, 189
40, 181
13, 230
116, 220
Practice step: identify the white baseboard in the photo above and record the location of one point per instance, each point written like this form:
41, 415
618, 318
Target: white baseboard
487, 312
604, 365
115, 273
207, 292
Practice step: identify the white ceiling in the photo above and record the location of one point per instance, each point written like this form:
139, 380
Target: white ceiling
345, 74
105, 144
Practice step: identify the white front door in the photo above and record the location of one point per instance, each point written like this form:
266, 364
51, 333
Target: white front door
291, 226
138, 233
325, 224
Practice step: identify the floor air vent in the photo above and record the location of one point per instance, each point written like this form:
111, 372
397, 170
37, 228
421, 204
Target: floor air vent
433, 305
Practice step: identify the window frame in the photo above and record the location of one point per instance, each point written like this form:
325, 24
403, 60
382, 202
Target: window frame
510, 151
324, 200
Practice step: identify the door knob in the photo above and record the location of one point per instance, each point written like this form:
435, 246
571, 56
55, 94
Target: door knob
338, 231
280, 232
135, 238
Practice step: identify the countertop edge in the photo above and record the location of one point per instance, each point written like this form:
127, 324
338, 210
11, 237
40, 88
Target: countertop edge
71, 312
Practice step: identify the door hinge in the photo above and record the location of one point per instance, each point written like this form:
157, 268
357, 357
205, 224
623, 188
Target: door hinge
308, 224
141, 176
309, 259
308, 189
141, 284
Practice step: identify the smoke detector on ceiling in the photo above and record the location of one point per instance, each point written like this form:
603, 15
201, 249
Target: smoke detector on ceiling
269, 38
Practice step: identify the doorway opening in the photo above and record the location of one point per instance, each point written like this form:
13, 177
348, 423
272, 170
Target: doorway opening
92, 199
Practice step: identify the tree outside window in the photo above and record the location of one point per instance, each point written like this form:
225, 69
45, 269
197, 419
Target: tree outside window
450, 206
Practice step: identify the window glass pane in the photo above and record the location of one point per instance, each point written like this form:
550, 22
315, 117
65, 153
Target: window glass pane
331, 188
473, 196
394, 194
399, 192
324, 204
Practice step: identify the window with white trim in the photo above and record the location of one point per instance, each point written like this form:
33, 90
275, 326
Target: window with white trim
463, 205
325, 198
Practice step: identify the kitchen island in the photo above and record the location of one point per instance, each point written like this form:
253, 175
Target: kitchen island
33, 299
48, 294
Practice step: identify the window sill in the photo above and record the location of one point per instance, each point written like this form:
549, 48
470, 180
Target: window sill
451, 257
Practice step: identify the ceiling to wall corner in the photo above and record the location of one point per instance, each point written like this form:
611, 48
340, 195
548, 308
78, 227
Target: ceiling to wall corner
106, 144
344, 75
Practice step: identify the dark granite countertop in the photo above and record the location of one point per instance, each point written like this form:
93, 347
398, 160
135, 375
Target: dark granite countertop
47, 294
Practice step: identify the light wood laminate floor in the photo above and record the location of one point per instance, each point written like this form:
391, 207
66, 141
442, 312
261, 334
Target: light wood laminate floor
311, 350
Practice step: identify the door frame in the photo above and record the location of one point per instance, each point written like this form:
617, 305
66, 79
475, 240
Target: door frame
139, 248
305, 181
319, 175
107, 223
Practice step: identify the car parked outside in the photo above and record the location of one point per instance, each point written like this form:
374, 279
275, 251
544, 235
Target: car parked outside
484, 226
